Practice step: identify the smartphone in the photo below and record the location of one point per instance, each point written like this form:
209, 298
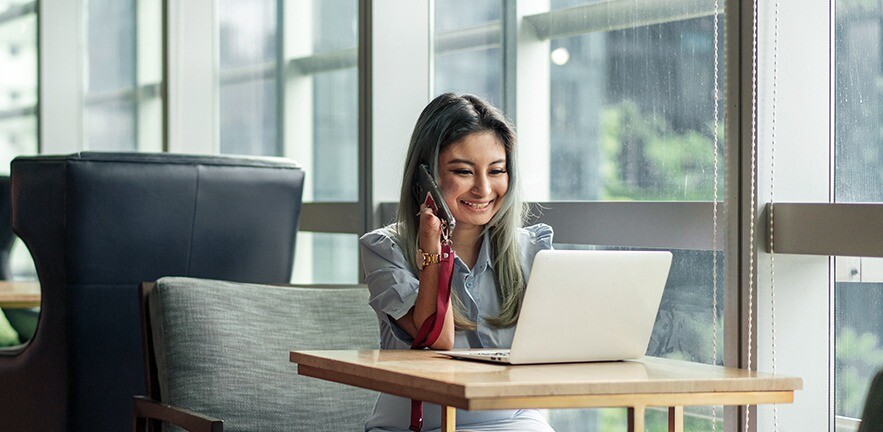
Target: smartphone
426, 187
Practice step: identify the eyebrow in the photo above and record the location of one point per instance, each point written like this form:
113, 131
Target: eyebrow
470, 163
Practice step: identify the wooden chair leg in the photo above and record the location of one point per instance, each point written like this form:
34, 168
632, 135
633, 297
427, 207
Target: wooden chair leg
676, 419
636, 418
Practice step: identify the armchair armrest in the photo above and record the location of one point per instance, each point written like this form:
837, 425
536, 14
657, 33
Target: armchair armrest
145, 409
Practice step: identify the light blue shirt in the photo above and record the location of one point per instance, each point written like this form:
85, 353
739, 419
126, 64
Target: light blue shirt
393, 284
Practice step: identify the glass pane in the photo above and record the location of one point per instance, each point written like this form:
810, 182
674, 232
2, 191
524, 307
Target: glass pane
858, 326
18, 136
248, 41
123, 105
459, 14
110, 45
247, 32
111, 126
250, 131
684, 330
322, 258
858, 156
322, 102
465, 63
632, 112
859, 102
149, 76
336, 25
18, 61
477, 72
336, 156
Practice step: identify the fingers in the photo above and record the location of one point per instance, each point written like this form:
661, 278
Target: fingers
429, 230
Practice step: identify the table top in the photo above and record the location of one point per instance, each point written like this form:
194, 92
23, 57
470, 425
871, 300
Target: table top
19, 294
433, 377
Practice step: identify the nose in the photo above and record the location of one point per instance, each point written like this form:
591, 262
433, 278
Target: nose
482, 186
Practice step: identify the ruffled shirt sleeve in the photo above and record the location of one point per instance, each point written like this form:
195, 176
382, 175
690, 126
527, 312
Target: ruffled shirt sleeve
391, 282
534, 238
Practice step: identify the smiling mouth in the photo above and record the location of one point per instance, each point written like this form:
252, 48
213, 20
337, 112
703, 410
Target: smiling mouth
477, 206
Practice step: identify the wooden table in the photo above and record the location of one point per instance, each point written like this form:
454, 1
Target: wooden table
19, 295
649, 381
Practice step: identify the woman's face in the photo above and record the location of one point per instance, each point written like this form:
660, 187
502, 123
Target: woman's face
473, 178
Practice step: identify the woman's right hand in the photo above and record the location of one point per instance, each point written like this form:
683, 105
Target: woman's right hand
429, 231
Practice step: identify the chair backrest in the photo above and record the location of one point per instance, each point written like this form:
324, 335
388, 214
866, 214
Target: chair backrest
7, 238
222, 349
872, 415
97, 225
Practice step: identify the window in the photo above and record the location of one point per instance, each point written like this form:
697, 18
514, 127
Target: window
18, 83
123, 75
858, 146
322, 129
289, 87
468, 48
248, 38
18, 101
618, 104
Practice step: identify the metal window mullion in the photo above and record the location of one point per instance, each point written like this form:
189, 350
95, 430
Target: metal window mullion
332, 217
137, 94
325, 62
136, 112
478, 37
739, 101
843, 229
280, 67
18, 112
366, 153
643, 224
467, 39
247, 73
613, 15
510, 57
16, 12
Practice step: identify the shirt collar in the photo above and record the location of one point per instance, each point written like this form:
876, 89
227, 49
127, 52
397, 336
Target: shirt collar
485, 259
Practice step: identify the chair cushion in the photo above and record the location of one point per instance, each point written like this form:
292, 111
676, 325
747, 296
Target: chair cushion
222, 349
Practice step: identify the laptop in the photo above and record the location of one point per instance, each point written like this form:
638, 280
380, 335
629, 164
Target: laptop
583, 306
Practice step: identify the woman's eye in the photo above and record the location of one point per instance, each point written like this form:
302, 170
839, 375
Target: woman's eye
498, 172
462, 172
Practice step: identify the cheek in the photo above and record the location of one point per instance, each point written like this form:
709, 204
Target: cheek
450, 190
502, 186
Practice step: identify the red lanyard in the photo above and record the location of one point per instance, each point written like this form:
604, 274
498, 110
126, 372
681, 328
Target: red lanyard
432, 327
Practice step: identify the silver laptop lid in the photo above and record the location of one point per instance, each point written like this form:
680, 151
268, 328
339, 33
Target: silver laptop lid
589, 305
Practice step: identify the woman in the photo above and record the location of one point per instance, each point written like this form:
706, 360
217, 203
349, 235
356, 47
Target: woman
469, 148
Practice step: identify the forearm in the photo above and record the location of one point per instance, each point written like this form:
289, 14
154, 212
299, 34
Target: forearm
426, 305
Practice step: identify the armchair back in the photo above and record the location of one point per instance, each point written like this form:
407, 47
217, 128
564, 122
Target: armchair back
221, 349
97, 225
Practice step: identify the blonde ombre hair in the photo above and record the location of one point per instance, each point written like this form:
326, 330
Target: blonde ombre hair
446, 120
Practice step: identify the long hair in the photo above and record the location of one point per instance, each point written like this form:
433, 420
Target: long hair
446, 120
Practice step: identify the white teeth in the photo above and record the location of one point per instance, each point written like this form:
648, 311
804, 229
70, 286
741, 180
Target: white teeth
476, 206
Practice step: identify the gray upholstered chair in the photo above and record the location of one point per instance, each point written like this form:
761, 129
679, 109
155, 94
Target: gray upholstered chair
217, 355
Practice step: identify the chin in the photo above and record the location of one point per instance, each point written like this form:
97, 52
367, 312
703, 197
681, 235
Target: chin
479, 220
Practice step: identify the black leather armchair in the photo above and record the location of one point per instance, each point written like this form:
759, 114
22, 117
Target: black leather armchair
872, 415
98, 224
7, 238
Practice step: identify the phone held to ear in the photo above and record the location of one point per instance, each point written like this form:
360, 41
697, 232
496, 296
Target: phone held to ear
428, 192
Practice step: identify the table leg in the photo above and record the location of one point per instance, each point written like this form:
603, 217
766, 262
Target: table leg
636, 418
676, 419
449, 419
